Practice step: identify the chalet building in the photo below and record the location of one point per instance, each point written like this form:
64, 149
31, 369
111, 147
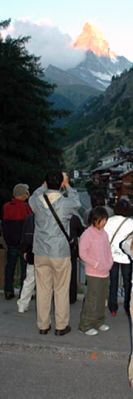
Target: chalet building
125, 185
114, 174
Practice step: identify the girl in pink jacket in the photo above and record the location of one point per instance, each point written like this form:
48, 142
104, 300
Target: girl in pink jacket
95, 251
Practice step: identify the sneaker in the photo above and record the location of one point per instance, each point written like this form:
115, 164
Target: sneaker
21, 308
104, 327
92, 331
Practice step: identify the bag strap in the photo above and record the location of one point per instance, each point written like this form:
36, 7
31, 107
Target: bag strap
56, 217
118, 228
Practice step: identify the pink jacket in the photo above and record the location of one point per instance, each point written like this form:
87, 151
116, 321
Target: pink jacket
95, 251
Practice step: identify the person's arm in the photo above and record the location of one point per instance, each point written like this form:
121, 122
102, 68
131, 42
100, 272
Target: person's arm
71, 202
87, 251
40, 190
84, 247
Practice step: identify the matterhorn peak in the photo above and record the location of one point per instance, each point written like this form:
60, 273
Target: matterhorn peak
91, 38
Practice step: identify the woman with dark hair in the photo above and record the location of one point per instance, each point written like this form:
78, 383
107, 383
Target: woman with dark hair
118, 227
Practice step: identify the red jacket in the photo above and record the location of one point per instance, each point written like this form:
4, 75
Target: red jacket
13, 215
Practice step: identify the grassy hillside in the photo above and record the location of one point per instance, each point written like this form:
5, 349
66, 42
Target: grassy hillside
101, 124
70, 88
76, 94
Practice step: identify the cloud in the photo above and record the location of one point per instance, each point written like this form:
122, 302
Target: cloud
49, 42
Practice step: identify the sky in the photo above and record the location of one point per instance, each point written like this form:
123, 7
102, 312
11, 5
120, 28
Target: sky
54, 24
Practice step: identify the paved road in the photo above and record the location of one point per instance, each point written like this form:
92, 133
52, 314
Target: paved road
74, 366
35, 373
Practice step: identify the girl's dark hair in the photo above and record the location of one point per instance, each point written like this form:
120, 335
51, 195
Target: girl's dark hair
98, 213
97, 199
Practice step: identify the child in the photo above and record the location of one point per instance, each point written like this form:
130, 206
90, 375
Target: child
95, 251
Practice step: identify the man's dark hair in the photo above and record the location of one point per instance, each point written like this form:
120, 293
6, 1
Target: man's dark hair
54, 179
97, 199
98, 213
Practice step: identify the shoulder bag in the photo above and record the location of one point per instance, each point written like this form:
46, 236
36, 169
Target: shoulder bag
73, 242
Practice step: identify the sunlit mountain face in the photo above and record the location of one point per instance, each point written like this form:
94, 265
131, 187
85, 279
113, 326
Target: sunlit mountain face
93, 74
91, 38
100, 62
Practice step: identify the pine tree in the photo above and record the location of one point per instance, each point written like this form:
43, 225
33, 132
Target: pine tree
28, 134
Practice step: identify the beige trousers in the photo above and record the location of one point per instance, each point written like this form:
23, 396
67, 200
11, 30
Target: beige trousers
52, 279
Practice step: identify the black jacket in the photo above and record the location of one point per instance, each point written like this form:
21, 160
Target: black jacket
27, 239
76, 229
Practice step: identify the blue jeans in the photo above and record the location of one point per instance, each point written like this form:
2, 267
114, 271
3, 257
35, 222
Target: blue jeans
126, 270
13, 254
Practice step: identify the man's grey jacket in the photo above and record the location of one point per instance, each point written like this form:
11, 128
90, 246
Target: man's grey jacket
49, 240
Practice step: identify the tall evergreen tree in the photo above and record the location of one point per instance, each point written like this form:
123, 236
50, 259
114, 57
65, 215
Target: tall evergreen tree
28, 134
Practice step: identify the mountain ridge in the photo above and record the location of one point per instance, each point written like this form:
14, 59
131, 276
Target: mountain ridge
101, 124
91, 76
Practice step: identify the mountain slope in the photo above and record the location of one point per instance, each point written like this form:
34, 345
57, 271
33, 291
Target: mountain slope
72, 88
97, 71
102, 123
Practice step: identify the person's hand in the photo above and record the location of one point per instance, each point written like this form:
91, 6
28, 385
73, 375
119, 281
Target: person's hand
44, 184
65, 182
25, 255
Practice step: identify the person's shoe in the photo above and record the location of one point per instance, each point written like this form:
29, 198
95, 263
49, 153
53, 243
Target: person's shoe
66, 330
45, 331
104, 327
92, 331
9, 295
22, 310
114, 313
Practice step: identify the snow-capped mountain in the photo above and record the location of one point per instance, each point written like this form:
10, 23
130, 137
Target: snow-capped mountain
95, 71
100, 63
91, 38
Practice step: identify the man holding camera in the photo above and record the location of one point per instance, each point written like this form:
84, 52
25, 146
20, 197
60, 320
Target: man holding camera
52, 251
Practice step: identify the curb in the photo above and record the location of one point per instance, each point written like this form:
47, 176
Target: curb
63, 351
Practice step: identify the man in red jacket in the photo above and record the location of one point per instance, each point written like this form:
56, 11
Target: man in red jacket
13, 215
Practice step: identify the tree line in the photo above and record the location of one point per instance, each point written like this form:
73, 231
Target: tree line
29, 136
